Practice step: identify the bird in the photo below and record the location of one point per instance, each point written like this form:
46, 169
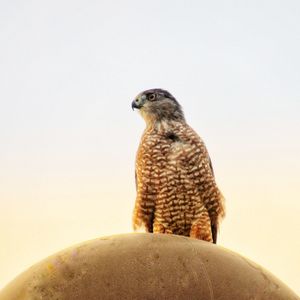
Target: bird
175, 183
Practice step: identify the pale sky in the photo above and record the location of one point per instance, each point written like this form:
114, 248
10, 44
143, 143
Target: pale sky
68, 137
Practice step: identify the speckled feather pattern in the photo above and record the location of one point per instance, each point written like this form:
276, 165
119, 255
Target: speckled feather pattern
176, 188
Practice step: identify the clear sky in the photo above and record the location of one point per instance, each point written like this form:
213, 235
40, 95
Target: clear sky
69, 71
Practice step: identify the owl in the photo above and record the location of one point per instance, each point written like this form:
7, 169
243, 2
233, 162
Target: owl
176, 188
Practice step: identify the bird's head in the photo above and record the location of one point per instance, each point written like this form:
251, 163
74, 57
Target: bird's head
158, 105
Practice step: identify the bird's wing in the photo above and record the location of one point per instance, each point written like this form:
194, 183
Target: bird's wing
211, 166
214, 226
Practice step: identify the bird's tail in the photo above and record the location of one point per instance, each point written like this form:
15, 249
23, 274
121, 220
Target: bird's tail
214, 232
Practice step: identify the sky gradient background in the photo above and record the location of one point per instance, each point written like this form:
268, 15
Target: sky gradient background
68, 137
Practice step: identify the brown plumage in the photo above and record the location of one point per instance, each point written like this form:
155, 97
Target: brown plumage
176, 188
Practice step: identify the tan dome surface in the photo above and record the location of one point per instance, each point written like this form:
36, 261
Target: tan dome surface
146, 266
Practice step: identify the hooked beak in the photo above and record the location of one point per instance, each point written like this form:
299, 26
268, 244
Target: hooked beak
138, 102
134, 105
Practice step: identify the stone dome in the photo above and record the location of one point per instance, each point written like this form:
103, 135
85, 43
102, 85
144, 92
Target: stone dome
146, 266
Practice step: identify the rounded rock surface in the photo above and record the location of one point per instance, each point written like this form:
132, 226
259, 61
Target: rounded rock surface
146, 266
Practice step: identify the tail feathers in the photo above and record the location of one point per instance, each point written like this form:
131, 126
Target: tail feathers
214, 232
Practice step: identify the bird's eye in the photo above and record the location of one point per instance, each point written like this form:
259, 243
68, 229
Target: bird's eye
151, 97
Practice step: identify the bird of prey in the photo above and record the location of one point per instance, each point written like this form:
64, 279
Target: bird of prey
176, 188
